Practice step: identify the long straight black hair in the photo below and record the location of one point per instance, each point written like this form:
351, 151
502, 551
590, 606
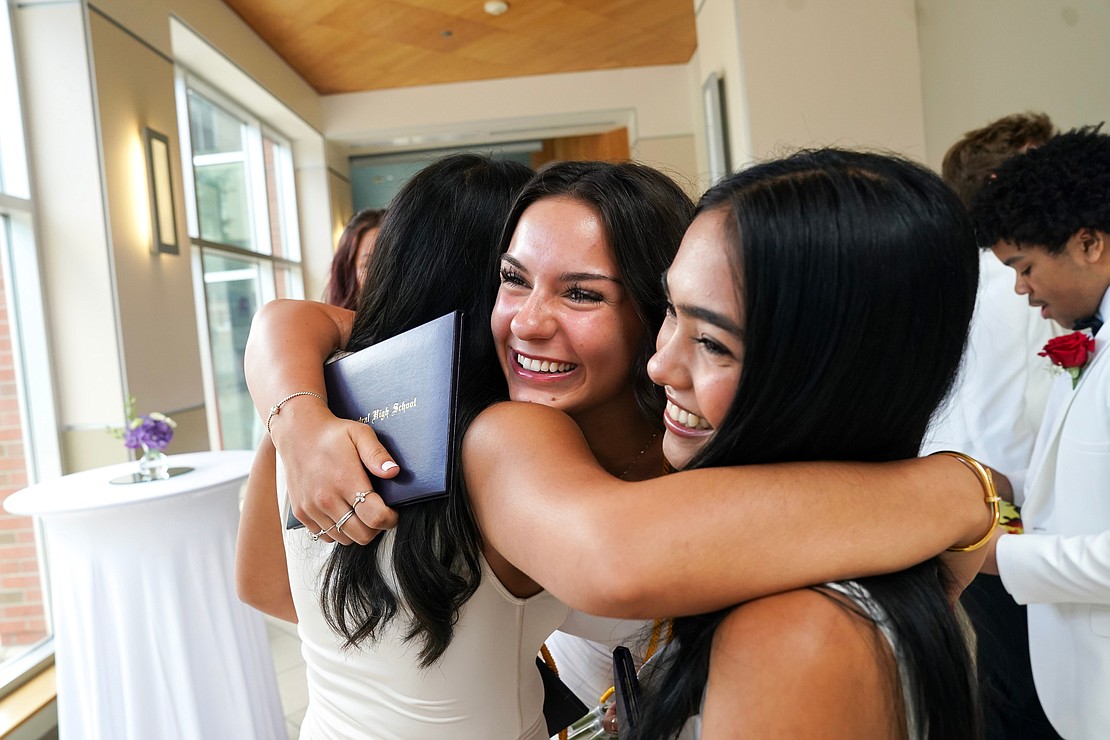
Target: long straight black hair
436, 252
859, 274
644, 214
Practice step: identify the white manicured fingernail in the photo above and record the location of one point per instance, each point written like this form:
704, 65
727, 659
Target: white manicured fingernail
388, 465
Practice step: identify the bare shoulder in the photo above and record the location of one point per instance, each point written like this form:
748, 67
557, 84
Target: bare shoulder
511, 454
508, 412
801, 648
512, 426
814, 616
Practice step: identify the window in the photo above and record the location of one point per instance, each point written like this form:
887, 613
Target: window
28, 435
243, 225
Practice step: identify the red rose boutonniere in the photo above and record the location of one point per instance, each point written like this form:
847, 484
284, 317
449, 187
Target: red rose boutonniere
1070, 352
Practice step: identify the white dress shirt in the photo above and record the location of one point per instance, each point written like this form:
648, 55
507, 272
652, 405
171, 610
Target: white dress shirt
998, 400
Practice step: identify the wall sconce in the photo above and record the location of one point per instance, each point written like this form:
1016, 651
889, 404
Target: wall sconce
163, 219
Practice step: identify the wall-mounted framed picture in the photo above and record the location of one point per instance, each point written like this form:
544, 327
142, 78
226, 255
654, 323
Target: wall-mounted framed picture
716, 126
163, 214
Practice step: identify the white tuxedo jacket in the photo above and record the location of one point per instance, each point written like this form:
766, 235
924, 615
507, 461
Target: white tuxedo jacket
1060, 567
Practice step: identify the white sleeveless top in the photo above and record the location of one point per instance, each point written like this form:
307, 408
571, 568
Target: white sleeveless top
485, 685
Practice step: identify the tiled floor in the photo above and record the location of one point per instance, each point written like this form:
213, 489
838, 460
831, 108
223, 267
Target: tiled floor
286, 649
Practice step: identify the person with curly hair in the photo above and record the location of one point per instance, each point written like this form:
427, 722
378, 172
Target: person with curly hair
974, 158
993, 414
1046, 215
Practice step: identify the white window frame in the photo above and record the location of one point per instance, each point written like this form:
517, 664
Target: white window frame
262, 255
287, 195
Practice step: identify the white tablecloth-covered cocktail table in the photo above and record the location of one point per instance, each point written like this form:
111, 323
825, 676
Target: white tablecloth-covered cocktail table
151, 641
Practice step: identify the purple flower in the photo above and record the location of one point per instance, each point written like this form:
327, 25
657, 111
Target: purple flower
148, 432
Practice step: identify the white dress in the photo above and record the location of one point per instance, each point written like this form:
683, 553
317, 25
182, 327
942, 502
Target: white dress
484, 686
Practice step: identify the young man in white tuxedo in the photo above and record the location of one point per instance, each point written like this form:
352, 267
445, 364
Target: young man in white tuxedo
1046, 215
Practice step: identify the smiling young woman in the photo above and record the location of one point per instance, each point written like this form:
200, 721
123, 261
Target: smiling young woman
566, 330
784, 285
700, 350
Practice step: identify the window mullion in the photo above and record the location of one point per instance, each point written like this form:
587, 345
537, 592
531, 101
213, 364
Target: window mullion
256, 180
185, 137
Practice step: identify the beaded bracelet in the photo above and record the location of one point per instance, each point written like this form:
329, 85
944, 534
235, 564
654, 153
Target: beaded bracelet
990, 496
276, 408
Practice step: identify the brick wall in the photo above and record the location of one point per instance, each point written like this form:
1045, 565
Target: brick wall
22, 620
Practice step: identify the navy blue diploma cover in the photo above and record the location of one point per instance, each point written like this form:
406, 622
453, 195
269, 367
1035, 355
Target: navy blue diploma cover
404, 387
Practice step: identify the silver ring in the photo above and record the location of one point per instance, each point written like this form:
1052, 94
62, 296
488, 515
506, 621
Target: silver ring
343, 521
317, 535
360, 497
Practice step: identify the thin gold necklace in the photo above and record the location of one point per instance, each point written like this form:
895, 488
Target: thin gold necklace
639, 455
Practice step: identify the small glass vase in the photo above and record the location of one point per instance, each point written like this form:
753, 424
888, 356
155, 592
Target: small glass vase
591, 726
154, 465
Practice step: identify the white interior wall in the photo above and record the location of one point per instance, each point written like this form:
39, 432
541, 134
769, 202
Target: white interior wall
986, 59
64, 154
845, 74
135, 89
220, 28
718, 26
651, 101
675, 156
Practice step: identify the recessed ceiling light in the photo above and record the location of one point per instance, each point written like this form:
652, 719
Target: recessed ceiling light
496, 7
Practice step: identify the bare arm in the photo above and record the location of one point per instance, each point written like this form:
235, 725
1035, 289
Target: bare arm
323, 457
705, 539
261, 579
831, 661
1003, 485
288, 344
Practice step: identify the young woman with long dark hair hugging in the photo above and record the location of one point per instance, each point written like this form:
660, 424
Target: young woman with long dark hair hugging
344, 287
818, 311
548, 513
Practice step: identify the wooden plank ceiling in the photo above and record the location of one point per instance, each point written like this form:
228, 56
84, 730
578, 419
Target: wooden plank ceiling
341, 46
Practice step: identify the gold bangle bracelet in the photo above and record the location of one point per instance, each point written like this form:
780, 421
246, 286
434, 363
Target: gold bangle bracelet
990, 497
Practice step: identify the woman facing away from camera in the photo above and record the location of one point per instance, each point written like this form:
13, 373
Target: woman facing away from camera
345, 280
372, 619
592, 515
